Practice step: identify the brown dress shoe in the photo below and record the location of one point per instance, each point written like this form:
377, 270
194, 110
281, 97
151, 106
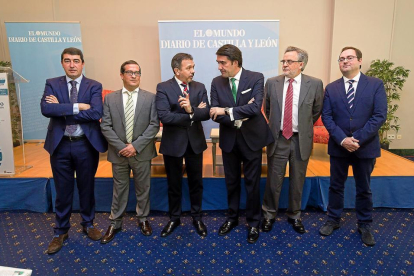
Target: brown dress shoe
56, 244
110, 234
146, 229
93, 233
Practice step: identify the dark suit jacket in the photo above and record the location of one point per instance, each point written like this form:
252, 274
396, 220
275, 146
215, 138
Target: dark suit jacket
178, 130
255, 130
146, 126
362, 121
310, 108
90, 92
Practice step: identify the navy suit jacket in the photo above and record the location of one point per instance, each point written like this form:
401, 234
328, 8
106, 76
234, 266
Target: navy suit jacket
255, 130
361, 122
90, 92
178, 130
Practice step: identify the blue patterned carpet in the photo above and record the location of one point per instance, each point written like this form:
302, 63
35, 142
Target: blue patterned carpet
24, 238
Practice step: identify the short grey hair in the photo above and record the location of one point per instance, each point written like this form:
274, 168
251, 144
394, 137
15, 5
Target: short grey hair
302, 55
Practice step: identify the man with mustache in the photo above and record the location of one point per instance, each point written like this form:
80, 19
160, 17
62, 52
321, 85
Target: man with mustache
181, 105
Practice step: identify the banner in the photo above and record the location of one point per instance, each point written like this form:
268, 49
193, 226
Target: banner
258, 41
35, 50
6, 141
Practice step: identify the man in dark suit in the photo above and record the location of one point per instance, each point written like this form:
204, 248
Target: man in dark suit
236, 100
181, 105
129, 124
293, 104
355, 107
74, 139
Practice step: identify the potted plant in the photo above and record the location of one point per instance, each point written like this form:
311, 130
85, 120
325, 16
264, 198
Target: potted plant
394, 79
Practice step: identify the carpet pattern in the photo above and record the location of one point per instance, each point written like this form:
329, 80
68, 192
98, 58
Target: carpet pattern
24, 238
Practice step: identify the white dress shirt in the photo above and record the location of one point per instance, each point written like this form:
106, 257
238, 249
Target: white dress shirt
295, 104
237, 123
182, 92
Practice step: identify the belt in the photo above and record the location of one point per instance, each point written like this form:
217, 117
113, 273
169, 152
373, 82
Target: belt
74, 138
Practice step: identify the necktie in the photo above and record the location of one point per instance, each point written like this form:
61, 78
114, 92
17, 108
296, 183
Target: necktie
350, 95
234, 88
129, 117
287, 119
73, 99
183, 84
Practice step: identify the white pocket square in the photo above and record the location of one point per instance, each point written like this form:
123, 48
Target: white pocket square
245, 91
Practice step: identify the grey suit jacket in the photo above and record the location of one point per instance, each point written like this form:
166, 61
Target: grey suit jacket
145, 128
310, 108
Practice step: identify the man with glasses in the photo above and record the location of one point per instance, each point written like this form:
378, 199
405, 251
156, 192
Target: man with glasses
182, 105
293, 103
129, 124
236, 100
74, 105
355, 107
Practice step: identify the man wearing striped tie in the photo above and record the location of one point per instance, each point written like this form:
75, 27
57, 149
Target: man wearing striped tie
129, 124
355, 107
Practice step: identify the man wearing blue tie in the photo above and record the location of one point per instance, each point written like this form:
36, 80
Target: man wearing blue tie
355, 107
74, 139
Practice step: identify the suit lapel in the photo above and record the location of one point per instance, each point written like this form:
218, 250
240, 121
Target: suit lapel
83, 87
120, 106
304, 89
363, 82
176, 87
342, 93
242, 85
279, 92
64, 90
193, 94
140, 103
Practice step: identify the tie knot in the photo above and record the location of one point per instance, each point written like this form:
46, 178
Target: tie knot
184, 84
291, 80
351, 81
73, 83
233, 80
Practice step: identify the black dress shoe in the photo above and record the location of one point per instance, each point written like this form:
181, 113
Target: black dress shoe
253, 234
110, 234
297, 225
200, 227
366, 235
169, 228
267, 224
146, 229
227, 227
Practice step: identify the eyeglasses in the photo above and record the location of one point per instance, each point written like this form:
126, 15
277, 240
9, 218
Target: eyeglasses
289, 62
131, 73
348, 58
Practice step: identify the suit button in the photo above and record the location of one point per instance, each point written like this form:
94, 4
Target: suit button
350, 119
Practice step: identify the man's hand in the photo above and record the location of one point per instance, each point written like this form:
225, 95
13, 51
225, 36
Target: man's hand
350, 144
51, 99
128, 151
251, 101
202, 105
83, 106
216, 111
185, 103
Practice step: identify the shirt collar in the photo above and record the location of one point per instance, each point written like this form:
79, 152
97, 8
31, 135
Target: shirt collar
179, 81
78, 79
237, 76
297, 79
356, 78
124, 90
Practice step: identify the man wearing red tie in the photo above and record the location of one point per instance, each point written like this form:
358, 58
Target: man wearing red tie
182, 105
293, 103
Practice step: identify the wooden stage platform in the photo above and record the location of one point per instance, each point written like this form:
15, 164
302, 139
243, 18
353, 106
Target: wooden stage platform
35, 156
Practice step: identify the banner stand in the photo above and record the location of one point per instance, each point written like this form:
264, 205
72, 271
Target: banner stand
11, 154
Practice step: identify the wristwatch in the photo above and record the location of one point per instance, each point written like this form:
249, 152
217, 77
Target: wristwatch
227, 111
